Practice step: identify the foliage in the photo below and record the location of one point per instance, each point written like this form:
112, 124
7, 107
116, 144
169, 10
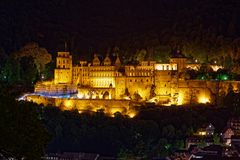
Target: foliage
216, 139
154, 132
22, 133
11, 71
27, 65
98, 133
40, 55
48, 72
28, 72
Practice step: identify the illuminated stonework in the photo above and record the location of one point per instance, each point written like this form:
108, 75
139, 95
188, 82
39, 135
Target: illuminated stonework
147, 82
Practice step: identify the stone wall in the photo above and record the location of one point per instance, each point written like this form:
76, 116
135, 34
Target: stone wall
109, 106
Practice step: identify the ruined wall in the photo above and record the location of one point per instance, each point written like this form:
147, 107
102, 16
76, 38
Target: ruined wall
109, 106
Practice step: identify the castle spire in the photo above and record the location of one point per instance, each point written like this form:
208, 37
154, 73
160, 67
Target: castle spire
107, 60
117, 62
96, 61
65, 46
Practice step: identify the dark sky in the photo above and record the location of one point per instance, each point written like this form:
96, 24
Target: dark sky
98, 24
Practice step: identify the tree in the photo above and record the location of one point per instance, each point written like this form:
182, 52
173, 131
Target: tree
48, 72
40, 55
162, 147
216, 139
168, 131
125, 154
28, 70
22, 133
11, 71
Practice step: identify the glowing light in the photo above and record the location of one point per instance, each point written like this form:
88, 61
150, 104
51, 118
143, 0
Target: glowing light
87, 96
80, 95
94, 96
126, 98
68, 103
180, 100
216, 67
115, 109
153, 100
203, 99
202, 133
158, 67
132, 114
224, 77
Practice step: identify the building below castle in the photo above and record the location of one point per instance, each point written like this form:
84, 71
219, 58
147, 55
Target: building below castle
148, 81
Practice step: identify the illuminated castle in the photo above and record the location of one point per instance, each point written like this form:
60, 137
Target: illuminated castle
147, 81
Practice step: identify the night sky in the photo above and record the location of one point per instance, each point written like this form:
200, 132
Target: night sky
94, 25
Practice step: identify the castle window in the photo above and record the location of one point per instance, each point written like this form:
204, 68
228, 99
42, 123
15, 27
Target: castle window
141, 80
147, 80
130, 80
135, 80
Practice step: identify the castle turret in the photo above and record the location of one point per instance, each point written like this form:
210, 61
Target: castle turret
117, 61
107, 61
96, 61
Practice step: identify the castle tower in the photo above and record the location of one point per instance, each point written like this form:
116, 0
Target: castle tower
117, 61
63, 71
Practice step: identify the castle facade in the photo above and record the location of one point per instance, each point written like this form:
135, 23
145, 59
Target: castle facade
148, 81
